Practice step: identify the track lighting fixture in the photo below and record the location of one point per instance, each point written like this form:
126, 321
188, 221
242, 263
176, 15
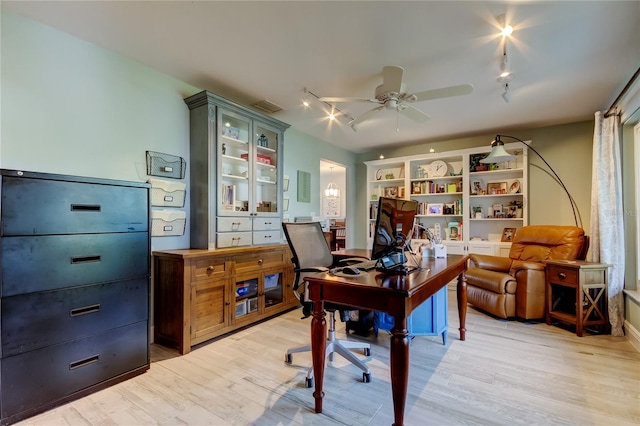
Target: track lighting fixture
505, 76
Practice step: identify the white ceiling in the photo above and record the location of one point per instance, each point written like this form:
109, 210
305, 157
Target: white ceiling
570, 58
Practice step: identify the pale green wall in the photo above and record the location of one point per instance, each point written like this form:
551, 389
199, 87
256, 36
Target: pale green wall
303, 152
73, 108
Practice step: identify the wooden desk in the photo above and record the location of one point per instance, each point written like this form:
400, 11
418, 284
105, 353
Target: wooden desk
396, 295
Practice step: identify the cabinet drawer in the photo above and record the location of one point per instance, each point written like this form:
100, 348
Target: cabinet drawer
49, 374
266, 224
262, 259
207, 268
234, 224
561, 275
41, 207
32, 264
234, 239
69, 314
267, 237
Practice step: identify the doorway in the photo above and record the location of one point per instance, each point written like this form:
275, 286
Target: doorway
333, 196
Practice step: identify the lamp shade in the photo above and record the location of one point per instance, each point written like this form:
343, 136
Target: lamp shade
498, 154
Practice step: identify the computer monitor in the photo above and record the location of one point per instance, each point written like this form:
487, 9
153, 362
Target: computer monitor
394, 225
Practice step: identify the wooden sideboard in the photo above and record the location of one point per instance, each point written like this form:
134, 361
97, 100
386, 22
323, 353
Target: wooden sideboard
201, 294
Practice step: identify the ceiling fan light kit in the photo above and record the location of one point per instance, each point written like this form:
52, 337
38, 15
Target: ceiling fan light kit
392, 95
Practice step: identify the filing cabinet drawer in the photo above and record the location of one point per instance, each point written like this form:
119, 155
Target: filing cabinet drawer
267, 237
207, 268
266, 224
234, 224
234, 239
32, 264
262, 259
42, 207
70, 314
49, 374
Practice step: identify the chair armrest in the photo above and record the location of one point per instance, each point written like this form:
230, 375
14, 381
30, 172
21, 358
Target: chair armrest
496, 282
491, 263
313, 269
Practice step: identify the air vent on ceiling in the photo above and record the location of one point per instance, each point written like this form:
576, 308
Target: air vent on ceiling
267, 106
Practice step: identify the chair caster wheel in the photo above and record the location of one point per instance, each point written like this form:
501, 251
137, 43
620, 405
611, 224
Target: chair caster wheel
308, 383
367, 352
366, 377
288, 358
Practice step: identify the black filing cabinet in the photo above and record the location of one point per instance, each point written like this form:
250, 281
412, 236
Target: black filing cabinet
74, 288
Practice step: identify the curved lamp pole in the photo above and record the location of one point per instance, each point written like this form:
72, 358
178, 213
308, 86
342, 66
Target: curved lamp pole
499, 155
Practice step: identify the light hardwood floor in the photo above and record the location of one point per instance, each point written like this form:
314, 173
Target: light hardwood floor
505, 373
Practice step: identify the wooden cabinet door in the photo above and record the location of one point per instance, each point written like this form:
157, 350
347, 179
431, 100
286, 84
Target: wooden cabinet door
209, 309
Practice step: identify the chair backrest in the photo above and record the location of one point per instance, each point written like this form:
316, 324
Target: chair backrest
308, 245
545, 242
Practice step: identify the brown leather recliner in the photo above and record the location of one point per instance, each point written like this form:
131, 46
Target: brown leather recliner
514, 286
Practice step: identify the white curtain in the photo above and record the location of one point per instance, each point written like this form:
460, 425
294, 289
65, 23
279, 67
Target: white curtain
607, 216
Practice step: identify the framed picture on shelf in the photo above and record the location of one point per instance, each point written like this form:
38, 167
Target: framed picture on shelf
391, 191
476, 187
494, 188
507, 235
435, 209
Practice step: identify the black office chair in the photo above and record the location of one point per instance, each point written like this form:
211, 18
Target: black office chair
311, 254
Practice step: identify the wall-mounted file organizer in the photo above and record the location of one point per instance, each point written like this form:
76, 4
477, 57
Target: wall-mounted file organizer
165, 165
168, 223
167, 194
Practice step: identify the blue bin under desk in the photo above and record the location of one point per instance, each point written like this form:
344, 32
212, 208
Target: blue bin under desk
429, 319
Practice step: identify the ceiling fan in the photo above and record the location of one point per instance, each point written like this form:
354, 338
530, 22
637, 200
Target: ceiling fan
391, 94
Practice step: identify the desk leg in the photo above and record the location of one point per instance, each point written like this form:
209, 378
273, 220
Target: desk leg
399, 367
318, 347
462, 304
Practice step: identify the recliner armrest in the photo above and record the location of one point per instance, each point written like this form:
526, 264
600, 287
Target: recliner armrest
519, 265
491, 263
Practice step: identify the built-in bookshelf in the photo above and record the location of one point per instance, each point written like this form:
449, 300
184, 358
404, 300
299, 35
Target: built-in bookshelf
471, 204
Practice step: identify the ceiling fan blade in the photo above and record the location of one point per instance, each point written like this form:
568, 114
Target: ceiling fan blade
413, 113
445, 92
366, 116
392, 78
328, 99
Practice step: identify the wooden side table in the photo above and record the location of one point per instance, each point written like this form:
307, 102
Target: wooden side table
576, 293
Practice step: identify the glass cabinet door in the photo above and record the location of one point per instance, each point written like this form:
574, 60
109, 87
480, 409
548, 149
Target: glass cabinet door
266, 143
273, 289
234, 166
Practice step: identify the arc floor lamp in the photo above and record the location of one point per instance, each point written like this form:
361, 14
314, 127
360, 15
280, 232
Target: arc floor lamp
499, 155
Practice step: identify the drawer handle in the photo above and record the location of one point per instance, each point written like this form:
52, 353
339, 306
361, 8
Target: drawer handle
84, 362
85, 310
168, 198
260, 261
268, 223
85, 259
211, 268
236, 238
562, 275
235, 223
267, 236
85, 207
